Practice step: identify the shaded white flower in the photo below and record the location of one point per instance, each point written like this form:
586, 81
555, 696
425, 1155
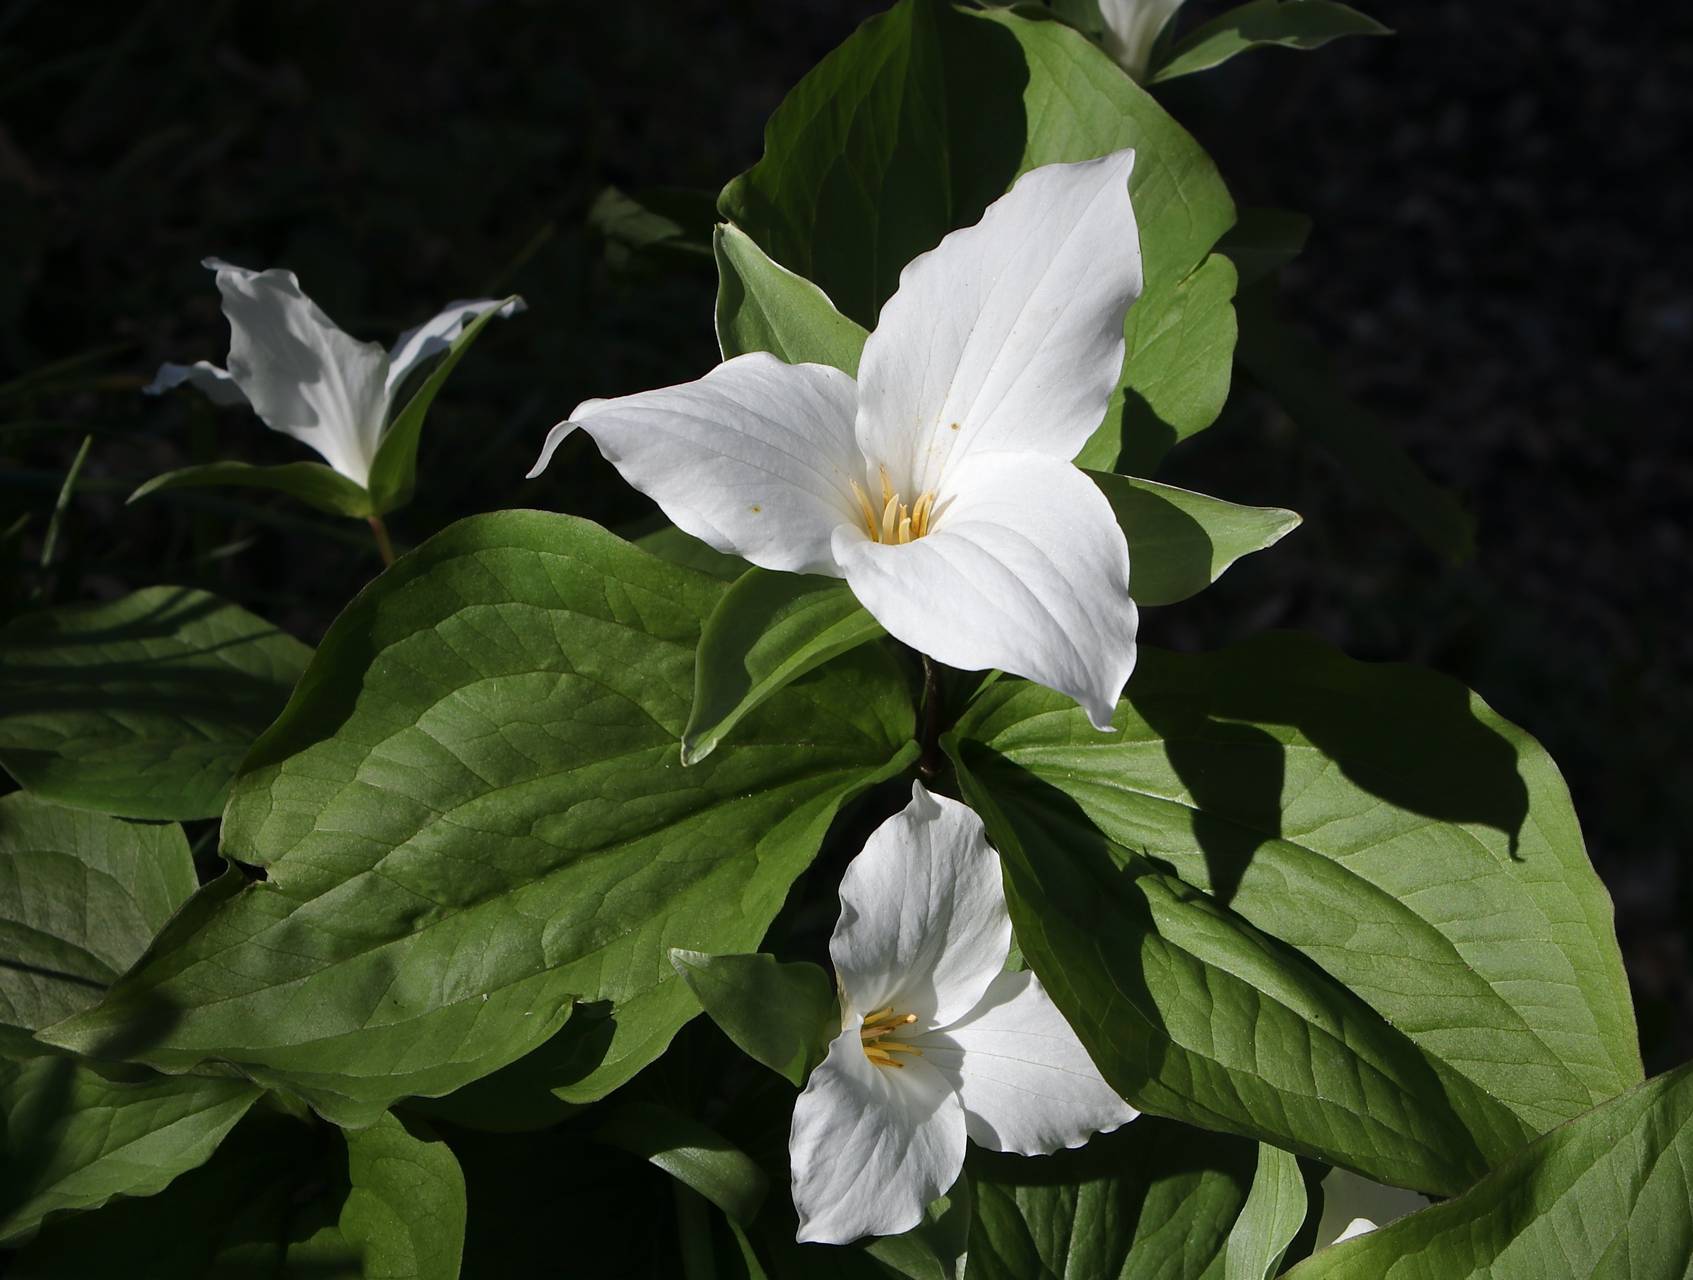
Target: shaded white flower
939, 483
937, 1040
1131, 30
303, 375
1353, 1205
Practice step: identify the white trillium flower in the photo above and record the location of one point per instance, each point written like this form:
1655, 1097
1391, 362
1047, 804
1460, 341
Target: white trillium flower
939, 484
1353, 1206
937, 1040
307, 378
1132, 28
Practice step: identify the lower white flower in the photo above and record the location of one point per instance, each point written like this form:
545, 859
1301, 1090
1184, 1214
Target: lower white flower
1353, 1206
937, 1040
303, 375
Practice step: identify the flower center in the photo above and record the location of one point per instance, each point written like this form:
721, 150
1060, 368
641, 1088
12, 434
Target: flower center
897, 523
877, 1033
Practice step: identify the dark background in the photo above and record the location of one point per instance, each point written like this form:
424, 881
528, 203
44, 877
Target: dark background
1500, 266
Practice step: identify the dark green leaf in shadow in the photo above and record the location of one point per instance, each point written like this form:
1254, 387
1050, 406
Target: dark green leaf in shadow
767, 631
690, 1152
140, 708
782, 1015
661, 224
1289, 24
311, 482
1263, 241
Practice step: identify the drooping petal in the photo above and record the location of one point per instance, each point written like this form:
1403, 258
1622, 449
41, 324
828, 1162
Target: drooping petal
434, 336
204, 376
1027, 1084
871, 1146
1008, 335
923, 925
756, 458
1131, 30
303, 375
1024, 569
1353, 1205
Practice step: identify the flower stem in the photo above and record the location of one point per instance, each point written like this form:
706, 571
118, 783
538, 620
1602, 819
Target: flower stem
928, 763
694, 1227
382, 544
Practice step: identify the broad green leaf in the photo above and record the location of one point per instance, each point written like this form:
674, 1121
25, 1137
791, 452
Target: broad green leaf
765, 307
930, 112
473, 810
935, 1248
767, 631
1153, 1201
1291, 24
1294, 370
311, 482
140, 708
1271, 1217
690, 1152
1181, 542
1263, 241
1190, 1012
278, 1198
1177, 365
393, 472
81, 896
669, 543
73, 1139
1379, 819
782, 1015
1608, 1194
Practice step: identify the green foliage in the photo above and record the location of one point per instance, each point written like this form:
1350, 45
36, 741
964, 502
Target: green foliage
1269, 1220
767, 631
1182, 542
312, 483
73, 1139
473, 813
1607, 1194
81, 896
690, 1152
762, 306
140, 708
782, 1015
1291, 24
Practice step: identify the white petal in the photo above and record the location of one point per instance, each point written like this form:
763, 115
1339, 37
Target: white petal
433, 337
756, 458
1009, 334
1026, 1082
204, 376
1025, 569
303, 375
871, 1146
1132, 28
1353, 1205
923, 924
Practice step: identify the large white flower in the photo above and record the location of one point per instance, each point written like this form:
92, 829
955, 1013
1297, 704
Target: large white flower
303, 375
1131, 30
1354, 1206
939, 483
937, 1040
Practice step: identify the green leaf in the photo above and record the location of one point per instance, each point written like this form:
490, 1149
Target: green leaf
782, 1015
670, 544
393, 472
1263, 241
278, 1198
1293, 369
1271, 1217
311, 482
1152, 1201
765, 307
658, 223
1379, 819
691, 1153
140, 708
1607, 1194
1178, 363
473, 810
1291, 24
81, 896
767, 631
1181, 542
73, 1139
935, 1248
926, 115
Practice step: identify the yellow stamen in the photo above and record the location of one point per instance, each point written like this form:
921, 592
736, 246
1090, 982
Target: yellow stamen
897, 523
890, 518
877, 1036
865, 509
888, 494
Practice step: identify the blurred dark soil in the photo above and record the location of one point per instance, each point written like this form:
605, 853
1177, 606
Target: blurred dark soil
1501, 267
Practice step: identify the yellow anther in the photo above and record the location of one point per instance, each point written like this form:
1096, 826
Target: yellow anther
890, 517
888, 492
897, 523
877, 1036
